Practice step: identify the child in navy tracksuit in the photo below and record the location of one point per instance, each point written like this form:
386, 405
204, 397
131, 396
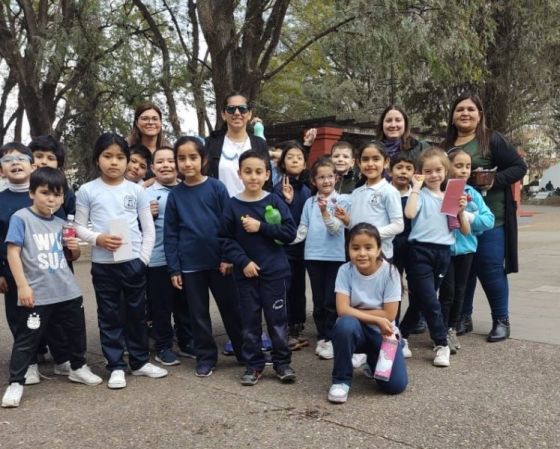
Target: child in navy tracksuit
118, 270
428, 260
295, 193
194, 252
261, 267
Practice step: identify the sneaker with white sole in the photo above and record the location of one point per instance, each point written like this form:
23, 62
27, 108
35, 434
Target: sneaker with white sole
327, 351
84, 375
358, 360
12, 396
117, 380
62, 369
442, 356
167, 357
406, 352
338, 393
320, 346
150, 370
453, 339
32, 376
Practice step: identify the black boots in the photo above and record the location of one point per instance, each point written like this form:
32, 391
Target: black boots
499, 332
465, 325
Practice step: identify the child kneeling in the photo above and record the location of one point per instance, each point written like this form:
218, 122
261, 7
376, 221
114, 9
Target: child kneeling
368, 291
46, 286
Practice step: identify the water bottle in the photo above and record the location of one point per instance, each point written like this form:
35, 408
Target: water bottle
68, 229
272, 216
258, 130
387, 354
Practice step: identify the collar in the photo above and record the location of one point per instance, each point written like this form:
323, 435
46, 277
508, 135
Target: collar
18, 188
378, 185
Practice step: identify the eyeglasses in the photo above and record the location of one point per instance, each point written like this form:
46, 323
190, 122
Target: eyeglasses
325, 178
9, 159
242, 108
146, 119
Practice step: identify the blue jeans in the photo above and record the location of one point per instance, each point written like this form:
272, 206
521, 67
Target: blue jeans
351, 336
488, 266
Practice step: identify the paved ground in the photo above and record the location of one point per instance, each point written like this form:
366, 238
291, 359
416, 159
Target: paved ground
503, 395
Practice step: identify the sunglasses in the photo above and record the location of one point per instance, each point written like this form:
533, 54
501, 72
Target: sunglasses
243, 109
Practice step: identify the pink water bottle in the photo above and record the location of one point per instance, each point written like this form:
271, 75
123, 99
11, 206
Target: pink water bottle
68, 229
387, 354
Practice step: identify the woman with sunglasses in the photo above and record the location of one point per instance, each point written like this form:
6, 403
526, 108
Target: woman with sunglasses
496, 254
224, 148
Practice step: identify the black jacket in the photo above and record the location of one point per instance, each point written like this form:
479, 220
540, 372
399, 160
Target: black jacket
511, 168
214, 146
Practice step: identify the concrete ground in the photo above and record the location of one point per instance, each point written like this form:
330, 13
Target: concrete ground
503, 395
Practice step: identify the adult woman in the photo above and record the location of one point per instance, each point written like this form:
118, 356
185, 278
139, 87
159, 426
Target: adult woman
147, 128
393, 129
496, 255
224, 148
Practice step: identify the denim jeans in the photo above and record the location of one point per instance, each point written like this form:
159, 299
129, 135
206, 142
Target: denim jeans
488, 266
351, 336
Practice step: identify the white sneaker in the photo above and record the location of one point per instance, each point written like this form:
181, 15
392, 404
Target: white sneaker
12, 396
320, 346
117, 379
32, 376
338, 393
406, 352
442, 356
84, 375
62, 369
150, 370
358, 360
327, 352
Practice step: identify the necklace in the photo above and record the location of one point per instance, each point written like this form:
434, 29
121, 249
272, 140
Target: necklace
239, 147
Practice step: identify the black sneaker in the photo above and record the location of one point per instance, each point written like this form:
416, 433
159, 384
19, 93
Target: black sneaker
250, 377
465, 325
286, 374
421, 326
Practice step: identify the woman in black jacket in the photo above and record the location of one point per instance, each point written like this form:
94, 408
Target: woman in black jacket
225, 146
496, 255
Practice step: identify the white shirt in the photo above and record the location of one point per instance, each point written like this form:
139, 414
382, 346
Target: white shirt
229, 164
100, 203
379, 205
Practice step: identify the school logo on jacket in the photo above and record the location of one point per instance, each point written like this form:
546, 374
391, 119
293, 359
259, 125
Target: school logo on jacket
129, 202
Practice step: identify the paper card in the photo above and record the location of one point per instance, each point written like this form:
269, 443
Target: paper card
119, 226
454, 191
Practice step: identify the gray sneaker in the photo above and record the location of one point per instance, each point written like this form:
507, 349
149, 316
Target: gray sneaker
453, 341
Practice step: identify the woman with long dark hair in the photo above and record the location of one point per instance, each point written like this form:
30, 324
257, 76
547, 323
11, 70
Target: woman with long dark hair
393, 129
225, 146
496, 255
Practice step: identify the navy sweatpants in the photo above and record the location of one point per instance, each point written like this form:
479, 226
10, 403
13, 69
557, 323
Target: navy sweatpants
224, 291
120, 290
258, 296
426, 267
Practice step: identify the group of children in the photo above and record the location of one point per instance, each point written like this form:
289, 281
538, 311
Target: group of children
355, 222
